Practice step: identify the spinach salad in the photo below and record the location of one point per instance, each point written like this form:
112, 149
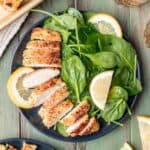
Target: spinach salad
85, 53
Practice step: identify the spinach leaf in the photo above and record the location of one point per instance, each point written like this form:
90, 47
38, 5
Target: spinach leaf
51, 24
117, 92
75, 13
73, 72
114, 110
67, 21
116, 104
121, 47
121, 76
66, 51
88, 35
104, 59
126, 64
134, 87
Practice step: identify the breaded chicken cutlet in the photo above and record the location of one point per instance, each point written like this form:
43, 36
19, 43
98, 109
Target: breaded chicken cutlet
91, 127
43, 50
76, 113
46, 45
51, 116
50, 95
45, 35
78, 126
28, 147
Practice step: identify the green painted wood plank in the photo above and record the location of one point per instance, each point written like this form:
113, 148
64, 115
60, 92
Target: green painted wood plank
26, 129
9, 117
139, 18
115, 139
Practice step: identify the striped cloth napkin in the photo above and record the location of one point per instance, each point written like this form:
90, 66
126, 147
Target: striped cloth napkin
9, 32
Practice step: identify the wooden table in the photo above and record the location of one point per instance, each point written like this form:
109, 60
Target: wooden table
133, 21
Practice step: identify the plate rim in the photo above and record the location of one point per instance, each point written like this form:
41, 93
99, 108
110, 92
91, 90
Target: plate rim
83, 138
28, 140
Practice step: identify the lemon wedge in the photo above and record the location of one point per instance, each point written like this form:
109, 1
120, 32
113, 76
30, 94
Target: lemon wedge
126, 146
144, 127
18, 94
106, 24
99, 88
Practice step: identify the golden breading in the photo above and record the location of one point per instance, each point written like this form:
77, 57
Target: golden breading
38, 44
49, 84
28, 147
76, 113
11, 5
45, 34
28, 53
51, 96
56, 98
78, 126
41, 58
51, 116
92, 126
56, 95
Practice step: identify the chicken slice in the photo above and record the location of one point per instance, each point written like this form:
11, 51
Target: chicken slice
39, 77
28, 147
92, 126
38, 44
51, 116
45, 34
76, 113
41, 58
46, 53
56, 92
75, 129
49, 84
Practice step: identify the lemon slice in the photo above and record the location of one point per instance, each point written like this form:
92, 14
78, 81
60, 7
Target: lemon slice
144, 127
126, 146
18, 94
106, 24
99, 88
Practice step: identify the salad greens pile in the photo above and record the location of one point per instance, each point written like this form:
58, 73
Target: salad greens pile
85, 53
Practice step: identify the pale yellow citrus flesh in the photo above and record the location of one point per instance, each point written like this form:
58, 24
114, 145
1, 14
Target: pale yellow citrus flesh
99, 88
144, 128
13, 90
106, 24
126, 146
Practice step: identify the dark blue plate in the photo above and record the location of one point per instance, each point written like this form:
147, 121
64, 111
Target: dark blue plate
17, 143
32, 115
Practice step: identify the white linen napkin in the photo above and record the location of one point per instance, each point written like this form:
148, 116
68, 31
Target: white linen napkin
9, 32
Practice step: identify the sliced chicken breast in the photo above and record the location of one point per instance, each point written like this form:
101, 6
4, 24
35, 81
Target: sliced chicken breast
51, 116
41, 58
56, 93
45, 34
92, 126
47, 45
43, 53
49, 84
39, 77
76, 113
28, 147
78, 126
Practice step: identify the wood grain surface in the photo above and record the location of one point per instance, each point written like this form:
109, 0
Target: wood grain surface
133, 21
